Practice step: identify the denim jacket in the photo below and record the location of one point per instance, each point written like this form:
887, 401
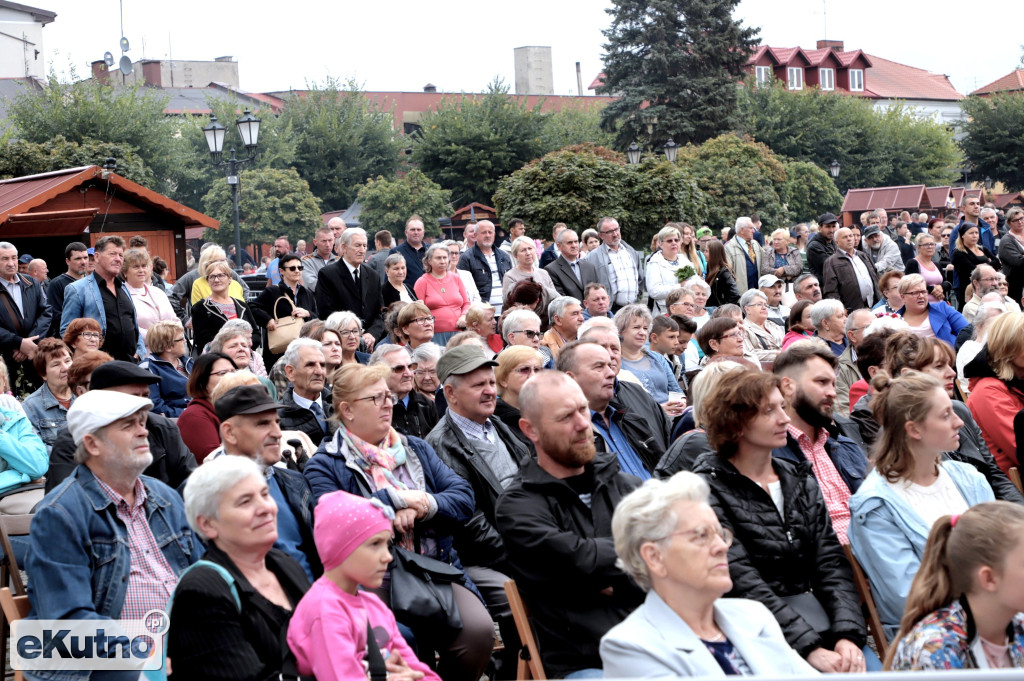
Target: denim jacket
78, 559
47, 415
83, 299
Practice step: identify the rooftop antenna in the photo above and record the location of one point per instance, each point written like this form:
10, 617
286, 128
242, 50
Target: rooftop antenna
824, 19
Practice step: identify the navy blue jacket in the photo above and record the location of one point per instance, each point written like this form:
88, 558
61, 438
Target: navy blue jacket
846, 455
169, 396
34, 322
475, 262
413, 262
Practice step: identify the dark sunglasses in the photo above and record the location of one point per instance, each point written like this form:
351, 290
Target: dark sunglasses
294, 268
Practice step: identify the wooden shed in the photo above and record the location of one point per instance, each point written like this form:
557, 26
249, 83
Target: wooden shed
41, 214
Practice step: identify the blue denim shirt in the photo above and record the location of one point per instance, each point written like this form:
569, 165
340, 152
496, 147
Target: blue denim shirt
78, 559
47, 415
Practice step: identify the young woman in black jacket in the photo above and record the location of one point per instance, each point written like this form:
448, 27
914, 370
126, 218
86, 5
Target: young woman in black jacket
720, 278
785, 554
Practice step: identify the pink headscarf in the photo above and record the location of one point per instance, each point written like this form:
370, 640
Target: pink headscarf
343, 521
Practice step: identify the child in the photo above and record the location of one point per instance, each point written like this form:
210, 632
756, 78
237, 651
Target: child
964, 606
328, 632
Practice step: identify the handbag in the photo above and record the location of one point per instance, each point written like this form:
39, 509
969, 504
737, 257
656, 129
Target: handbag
421, 591
809, 607
285, 332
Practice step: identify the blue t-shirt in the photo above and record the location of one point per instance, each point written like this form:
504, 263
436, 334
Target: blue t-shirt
617, 442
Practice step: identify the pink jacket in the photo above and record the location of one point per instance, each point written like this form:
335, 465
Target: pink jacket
327, 633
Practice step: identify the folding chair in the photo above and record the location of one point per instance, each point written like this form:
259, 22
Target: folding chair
1015, 479
864, 589
530, 666
10, 573
15, 608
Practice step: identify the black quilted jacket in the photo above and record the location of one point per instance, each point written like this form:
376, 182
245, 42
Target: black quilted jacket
774, 556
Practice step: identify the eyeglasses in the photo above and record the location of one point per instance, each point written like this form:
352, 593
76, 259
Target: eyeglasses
930, 244
989, 280
379, 399
179, 340
610, 231
399, 368
91, 335
222, 372
763, 306
348, 333
423, 321
1019, 218
527, 370
425, 372
702, 536
294, 268
915, 294
738, 335
216, 277
529, 334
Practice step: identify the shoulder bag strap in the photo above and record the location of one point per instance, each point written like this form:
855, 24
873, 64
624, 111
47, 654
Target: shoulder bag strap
378, 670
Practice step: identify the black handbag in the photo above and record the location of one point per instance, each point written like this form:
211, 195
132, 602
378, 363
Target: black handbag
809, 608
421, 591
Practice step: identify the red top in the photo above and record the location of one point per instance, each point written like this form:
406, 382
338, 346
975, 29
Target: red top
446, 298
200, 428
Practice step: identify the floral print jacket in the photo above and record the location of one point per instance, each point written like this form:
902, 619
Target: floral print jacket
947, 639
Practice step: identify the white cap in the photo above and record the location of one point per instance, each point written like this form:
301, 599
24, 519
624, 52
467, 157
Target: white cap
98, 408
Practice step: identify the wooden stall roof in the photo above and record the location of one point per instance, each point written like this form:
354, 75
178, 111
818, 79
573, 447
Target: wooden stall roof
905, 197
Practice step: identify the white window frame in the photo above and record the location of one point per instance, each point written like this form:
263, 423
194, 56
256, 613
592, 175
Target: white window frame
795, 78
856, 80
827, 78
764, 75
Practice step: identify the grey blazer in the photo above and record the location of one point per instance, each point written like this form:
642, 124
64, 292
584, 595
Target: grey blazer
654, 642
600, 259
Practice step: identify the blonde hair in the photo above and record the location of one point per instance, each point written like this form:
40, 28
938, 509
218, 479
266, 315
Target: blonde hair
705, 381
1005, 343
509, 359
213, 266
351, 378
233, 380
209, 255
522, 242
982, 536
476, 312
160, 337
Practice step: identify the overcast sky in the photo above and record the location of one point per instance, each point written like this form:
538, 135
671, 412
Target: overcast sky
460, 45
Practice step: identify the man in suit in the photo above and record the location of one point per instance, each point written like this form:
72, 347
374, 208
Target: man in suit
617, 264
568, 272
849, 276
347, 285
24, 316
744, 255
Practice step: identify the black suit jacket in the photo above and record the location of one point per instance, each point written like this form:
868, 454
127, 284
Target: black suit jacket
566, 282
336, 290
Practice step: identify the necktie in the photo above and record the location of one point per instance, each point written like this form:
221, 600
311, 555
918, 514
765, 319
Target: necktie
318, 412
576, 270
355, 275
750, 250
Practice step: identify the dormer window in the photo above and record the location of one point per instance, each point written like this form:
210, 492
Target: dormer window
795, 78
764, 75
856, 80
827, 79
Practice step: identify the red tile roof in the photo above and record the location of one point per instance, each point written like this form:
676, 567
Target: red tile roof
891, 80
1011, 82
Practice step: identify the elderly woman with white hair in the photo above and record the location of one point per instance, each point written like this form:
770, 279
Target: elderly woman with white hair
524, 255
701, 292
663, 265
230, 610
215, 310
781, 258
235, 340
828, 316
762, 338
442, 292
987, 311
394, 287
424, 377
670, 542
633, 322
350, 330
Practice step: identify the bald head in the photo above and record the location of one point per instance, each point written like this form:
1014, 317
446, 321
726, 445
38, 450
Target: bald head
37, 269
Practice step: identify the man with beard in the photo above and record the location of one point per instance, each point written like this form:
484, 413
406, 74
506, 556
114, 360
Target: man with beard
108, 542
555, 519
807, 370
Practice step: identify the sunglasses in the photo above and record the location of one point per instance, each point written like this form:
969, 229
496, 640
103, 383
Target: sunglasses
530, 334
295, 268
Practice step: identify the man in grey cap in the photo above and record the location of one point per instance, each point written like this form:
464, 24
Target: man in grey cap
108, 542
480, 448
771, 286
250, 427
882, 251
172, 461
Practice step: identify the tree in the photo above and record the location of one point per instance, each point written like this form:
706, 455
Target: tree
675, 62
579, 185
579, 124
809, 192
470, 142
388, 203
19, 157
741, 177
994, 137
89, 111
271, 202
341, 138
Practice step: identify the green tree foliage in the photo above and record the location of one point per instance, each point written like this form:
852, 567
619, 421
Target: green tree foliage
741, 177
388, 203
87, 111
470, 142
579, 185
994, 140
271, 202
808, 192
576, 124
677, 61
874, 148
19, 157
341, 138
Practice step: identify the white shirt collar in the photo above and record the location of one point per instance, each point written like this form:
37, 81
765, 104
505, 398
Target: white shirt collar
301, 401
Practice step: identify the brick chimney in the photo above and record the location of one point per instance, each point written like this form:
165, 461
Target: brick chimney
834, 45
100, 72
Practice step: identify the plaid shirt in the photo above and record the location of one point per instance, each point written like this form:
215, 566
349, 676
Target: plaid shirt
625, 278
150, 579
833, 487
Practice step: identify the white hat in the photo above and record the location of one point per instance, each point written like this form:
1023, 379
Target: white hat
98, 408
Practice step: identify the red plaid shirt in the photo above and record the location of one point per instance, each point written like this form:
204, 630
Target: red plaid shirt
150, 578
833, 487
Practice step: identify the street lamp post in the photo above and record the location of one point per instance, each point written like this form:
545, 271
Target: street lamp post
633, 153
249, 130
834, 170
671, 149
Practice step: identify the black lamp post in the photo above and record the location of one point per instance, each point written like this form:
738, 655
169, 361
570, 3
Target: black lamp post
834, 170
249, 130
633, 153
671, 149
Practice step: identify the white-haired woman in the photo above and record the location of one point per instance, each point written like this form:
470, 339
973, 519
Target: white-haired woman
350, 330
212, 312
425, 376
230, 611
524, 255
663, 265
701, 292
970, 349
394, 287
763, 338
633, 323
235, 340
442, 292
670, 542
780, 258
829, 319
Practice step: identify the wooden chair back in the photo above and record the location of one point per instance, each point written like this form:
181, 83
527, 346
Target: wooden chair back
530, 666
10, 573
1015, 479
864, 589
14, 608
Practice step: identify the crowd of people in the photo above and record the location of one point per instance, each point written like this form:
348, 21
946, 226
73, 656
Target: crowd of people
676, 455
